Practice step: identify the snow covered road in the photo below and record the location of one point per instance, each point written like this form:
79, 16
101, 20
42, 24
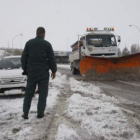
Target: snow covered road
76, 110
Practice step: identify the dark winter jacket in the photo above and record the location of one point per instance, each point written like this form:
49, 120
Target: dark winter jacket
38, 55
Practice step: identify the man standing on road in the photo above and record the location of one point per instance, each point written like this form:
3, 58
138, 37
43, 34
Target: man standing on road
37, 58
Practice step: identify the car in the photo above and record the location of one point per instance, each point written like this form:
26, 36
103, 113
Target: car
11, 78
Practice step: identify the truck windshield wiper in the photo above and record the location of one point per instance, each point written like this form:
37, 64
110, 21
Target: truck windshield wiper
100, 41
113, 43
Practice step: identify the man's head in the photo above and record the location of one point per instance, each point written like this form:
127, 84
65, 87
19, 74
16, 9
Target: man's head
40, 31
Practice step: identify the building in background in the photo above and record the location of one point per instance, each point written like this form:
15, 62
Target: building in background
61, 56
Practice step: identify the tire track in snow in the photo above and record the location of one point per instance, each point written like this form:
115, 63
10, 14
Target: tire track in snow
60, 118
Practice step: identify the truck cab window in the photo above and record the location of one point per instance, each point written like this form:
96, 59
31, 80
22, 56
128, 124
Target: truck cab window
101, 40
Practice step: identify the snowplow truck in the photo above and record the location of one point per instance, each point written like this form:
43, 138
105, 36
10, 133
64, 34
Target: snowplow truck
95, 56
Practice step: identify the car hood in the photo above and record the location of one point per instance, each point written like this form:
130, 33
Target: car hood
10, 72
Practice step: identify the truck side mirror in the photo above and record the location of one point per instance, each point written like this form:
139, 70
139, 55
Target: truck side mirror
119, 39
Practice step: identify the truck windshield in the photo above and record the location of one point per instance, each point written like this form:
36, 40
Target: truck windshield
101, 40
10, 63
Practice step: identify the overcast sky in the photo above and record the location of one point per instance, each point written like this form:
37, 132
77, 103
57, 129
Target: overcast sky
64, 19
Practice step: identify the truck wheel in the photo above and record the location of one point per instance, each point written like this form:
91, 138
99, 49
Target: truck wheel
74, 71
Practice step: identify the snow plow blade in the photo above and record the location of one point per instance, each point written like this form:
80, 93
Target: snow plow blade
121, 68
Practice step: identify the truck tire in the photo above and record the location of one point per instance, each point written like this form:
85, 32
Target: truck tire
74, 71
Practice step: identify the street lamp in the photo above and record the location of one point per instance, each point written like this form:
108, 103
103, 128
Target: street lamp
15, 37
135, 26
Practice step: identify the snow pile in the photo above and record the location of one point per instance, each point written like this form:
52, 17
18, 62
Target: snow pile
59, 81
91, 90
98, 116
66, 133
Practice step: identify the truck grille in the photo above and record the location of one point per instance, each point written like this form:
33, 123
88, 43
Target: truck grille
12, 80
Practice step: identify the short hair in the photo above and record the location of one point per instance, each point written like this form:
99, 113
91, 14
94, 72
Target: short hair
40, 31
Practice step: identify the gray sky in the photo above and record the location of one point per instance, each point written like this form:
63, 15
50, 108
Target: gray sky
64, 19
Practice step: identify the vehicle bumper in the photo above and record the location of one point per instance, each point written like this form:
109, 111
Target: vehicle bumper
15, 85
16, 88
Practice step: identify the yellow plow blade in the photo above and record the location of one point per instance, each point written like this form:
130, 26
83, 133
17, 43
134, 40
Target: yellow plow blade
121, 68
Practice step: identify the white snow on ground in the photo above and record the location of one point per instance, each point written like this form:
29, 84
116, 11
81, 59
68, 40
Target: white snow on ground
59, 80
66, 66
97, 115
54, 89
66, 133
89, 90
12, 125
93, 111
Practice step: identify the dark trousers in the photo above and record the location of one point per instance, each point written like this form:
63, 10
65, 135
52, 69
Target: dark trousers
40, 78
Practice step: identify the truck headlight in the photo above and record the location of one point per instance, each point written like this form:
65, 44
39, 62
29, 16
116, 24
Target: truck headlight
90, 48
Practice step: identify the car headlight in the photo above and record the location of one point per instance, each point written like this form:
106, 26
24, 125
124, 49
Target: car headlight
25, 79
90, 48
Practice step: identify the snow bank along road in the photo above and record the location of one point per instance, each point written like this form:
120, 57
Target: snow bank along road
127, 93
76, 110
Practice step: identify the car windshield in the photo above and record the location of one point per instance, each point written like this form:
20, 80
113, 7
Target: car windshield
10, 63
101, 40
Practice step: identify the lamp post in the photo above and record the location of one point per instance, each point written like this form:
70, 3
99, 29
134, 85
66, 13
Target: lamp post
135, 26
14, 38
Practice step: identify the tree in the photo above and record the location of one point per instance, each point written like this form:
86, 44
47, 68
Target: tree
17, 52
119, 52
125, 51
135, 48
